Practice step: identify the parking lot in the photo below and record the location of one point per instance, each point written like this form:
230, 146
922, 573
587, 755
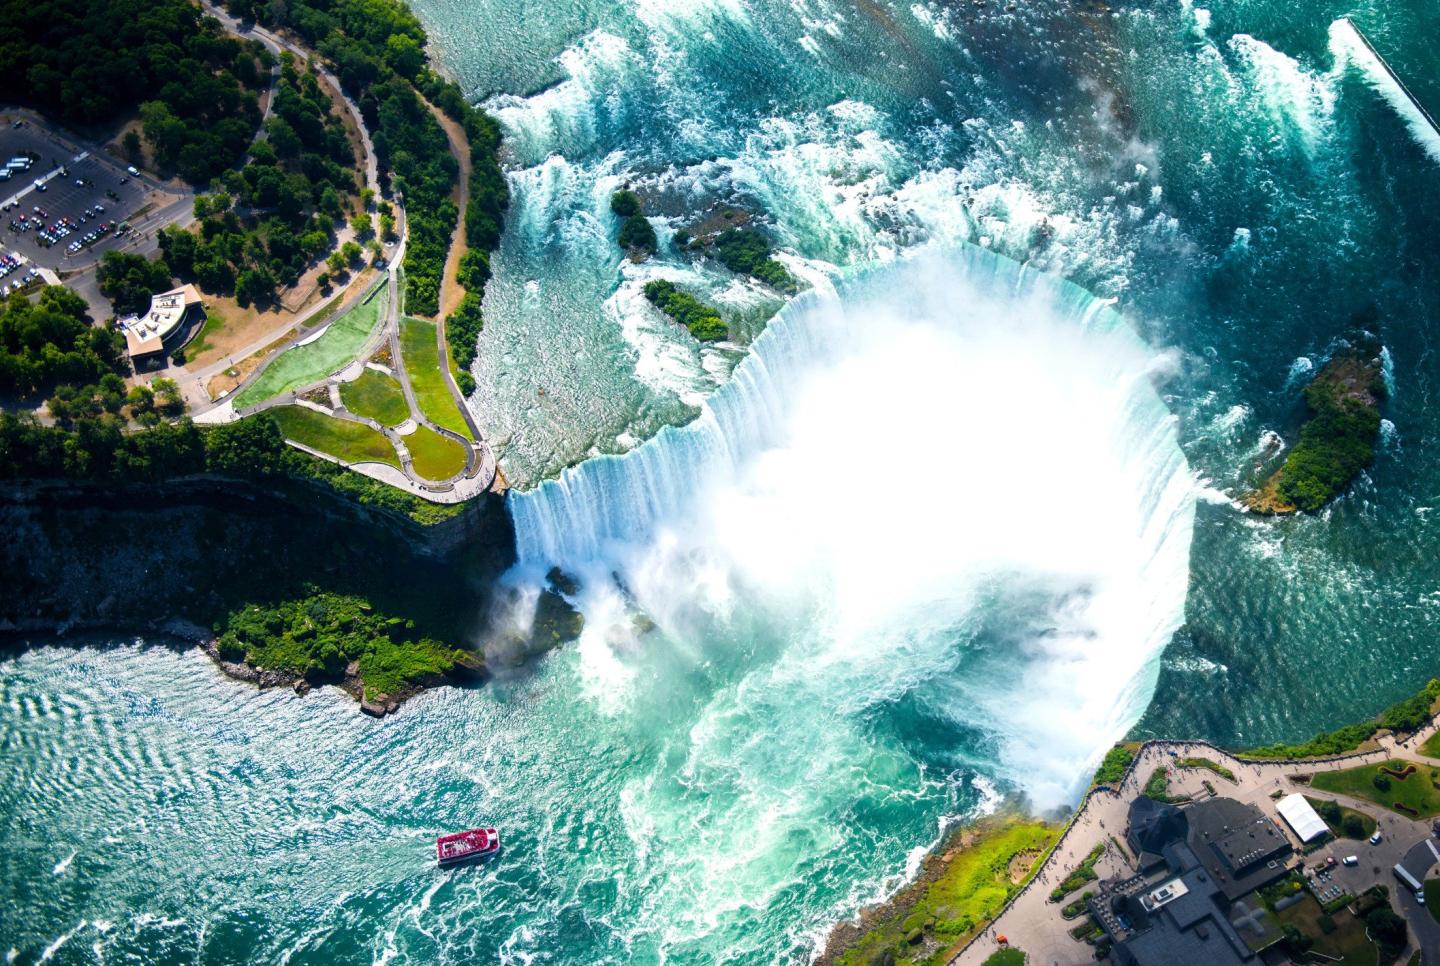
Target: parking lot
46, 223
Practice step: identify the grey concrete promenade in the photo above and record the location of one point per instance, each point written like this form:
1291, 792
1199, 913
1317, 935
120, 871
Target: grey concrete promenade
1032, 923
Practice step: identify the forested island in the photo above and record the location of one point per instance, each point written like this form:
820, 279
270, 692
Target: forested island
1337, 441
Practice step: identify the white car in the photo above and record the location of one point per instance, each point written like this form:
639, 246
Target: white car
1351, 860
1375, 839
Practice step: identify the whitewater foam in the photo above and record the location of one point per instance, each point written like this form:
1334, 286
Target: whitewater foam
836, 496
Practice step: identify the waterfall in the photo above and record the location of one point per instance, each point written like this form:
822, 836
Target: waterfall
949, 478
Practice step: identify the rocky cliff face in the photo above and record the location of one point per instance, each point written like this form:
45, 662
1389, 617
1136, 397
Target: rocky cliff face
83, 555
174, 559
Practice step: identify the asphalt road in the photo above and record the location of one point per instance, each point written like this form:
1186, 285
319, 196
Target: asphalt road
1418, 861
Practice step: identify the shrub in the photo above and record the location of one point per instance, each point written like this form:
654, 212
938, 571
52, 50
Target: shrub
626, 203
1112, 769
637, 235
746, 251
1381, 781
703, 322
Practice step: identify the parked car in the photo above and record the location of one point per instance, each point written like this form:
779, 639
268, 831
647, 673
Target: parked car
1351, 860
1375, 839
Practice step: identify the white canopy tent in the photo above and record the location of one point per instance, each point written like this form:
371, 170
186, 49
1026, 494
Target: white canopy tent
1306, 822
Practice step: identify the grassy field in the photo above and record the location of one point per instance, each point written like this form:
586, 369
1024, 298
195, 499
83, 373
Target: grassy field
1431, 747
376, 396
1209, 765
1006, 957
1337, 828
352, 442
969, 890
199, 345
420, 347
304, 364
1346, 942
433, 456
1417, 792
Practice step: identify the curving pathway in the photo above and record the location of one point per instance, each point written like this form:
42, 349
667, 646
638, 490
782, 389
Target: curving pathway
1034, 924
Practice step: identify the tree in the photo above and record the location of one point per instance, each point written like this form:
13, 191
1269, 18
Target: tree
1353, 826
637, 235
254, 285
625, 203
1387, 929
404, 55
178, 246
130, 144
168, 400
360, 225
128, 280
1381, 781
1329, 811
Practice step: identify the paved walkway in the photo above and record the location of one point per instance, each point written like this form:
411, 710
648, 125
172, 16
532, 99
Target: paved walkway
1034, 924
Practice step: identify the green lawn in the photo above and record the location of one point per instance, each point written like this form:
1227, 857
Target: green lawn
352, 442
1347, 941
1418, 791
433, 456
420, 348
1431, 747
1209, 764
213, 323
1005, 957
376, 396
971, 889
1337, 826
303, 364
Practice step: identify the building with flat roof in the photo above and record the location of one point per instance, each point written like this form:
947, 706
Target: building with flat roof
1194, 863
1301, 816
163, 325
1241, 846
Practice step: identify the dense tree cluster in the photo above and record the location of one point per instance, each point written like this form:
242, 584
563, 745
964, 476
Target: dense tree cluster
378, 50
128, 280
636, 235
747, 251
90, 61
93, 447
318, 635
50, 342
702, 320
272, 218
1335, 444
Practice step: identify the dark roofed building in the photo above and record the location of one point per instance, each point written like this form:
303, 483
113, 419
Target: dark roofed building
1154, 825
1240, 845
1194, 863
1175, 920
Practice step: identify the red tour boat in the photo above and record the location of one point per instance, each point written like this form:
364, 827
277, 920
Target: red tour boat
465, 846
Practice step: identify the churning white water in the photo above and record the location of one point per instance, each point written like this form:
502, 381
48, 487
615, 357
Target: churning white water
952, 478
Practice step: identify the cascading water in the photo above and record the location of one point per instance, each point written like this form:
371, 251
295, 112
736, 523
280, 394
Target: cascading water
949, 480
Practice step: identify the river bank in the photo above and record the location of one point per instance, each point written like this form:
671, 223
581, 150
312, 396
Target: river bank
978, 871
282, 583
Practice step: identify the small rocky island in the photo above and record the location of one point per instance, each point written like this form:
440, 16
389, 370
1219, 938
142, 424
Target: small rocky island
1337, 441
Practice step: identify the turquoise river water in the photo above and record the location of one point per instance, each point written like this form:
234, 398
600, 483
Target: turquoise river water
935, 533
